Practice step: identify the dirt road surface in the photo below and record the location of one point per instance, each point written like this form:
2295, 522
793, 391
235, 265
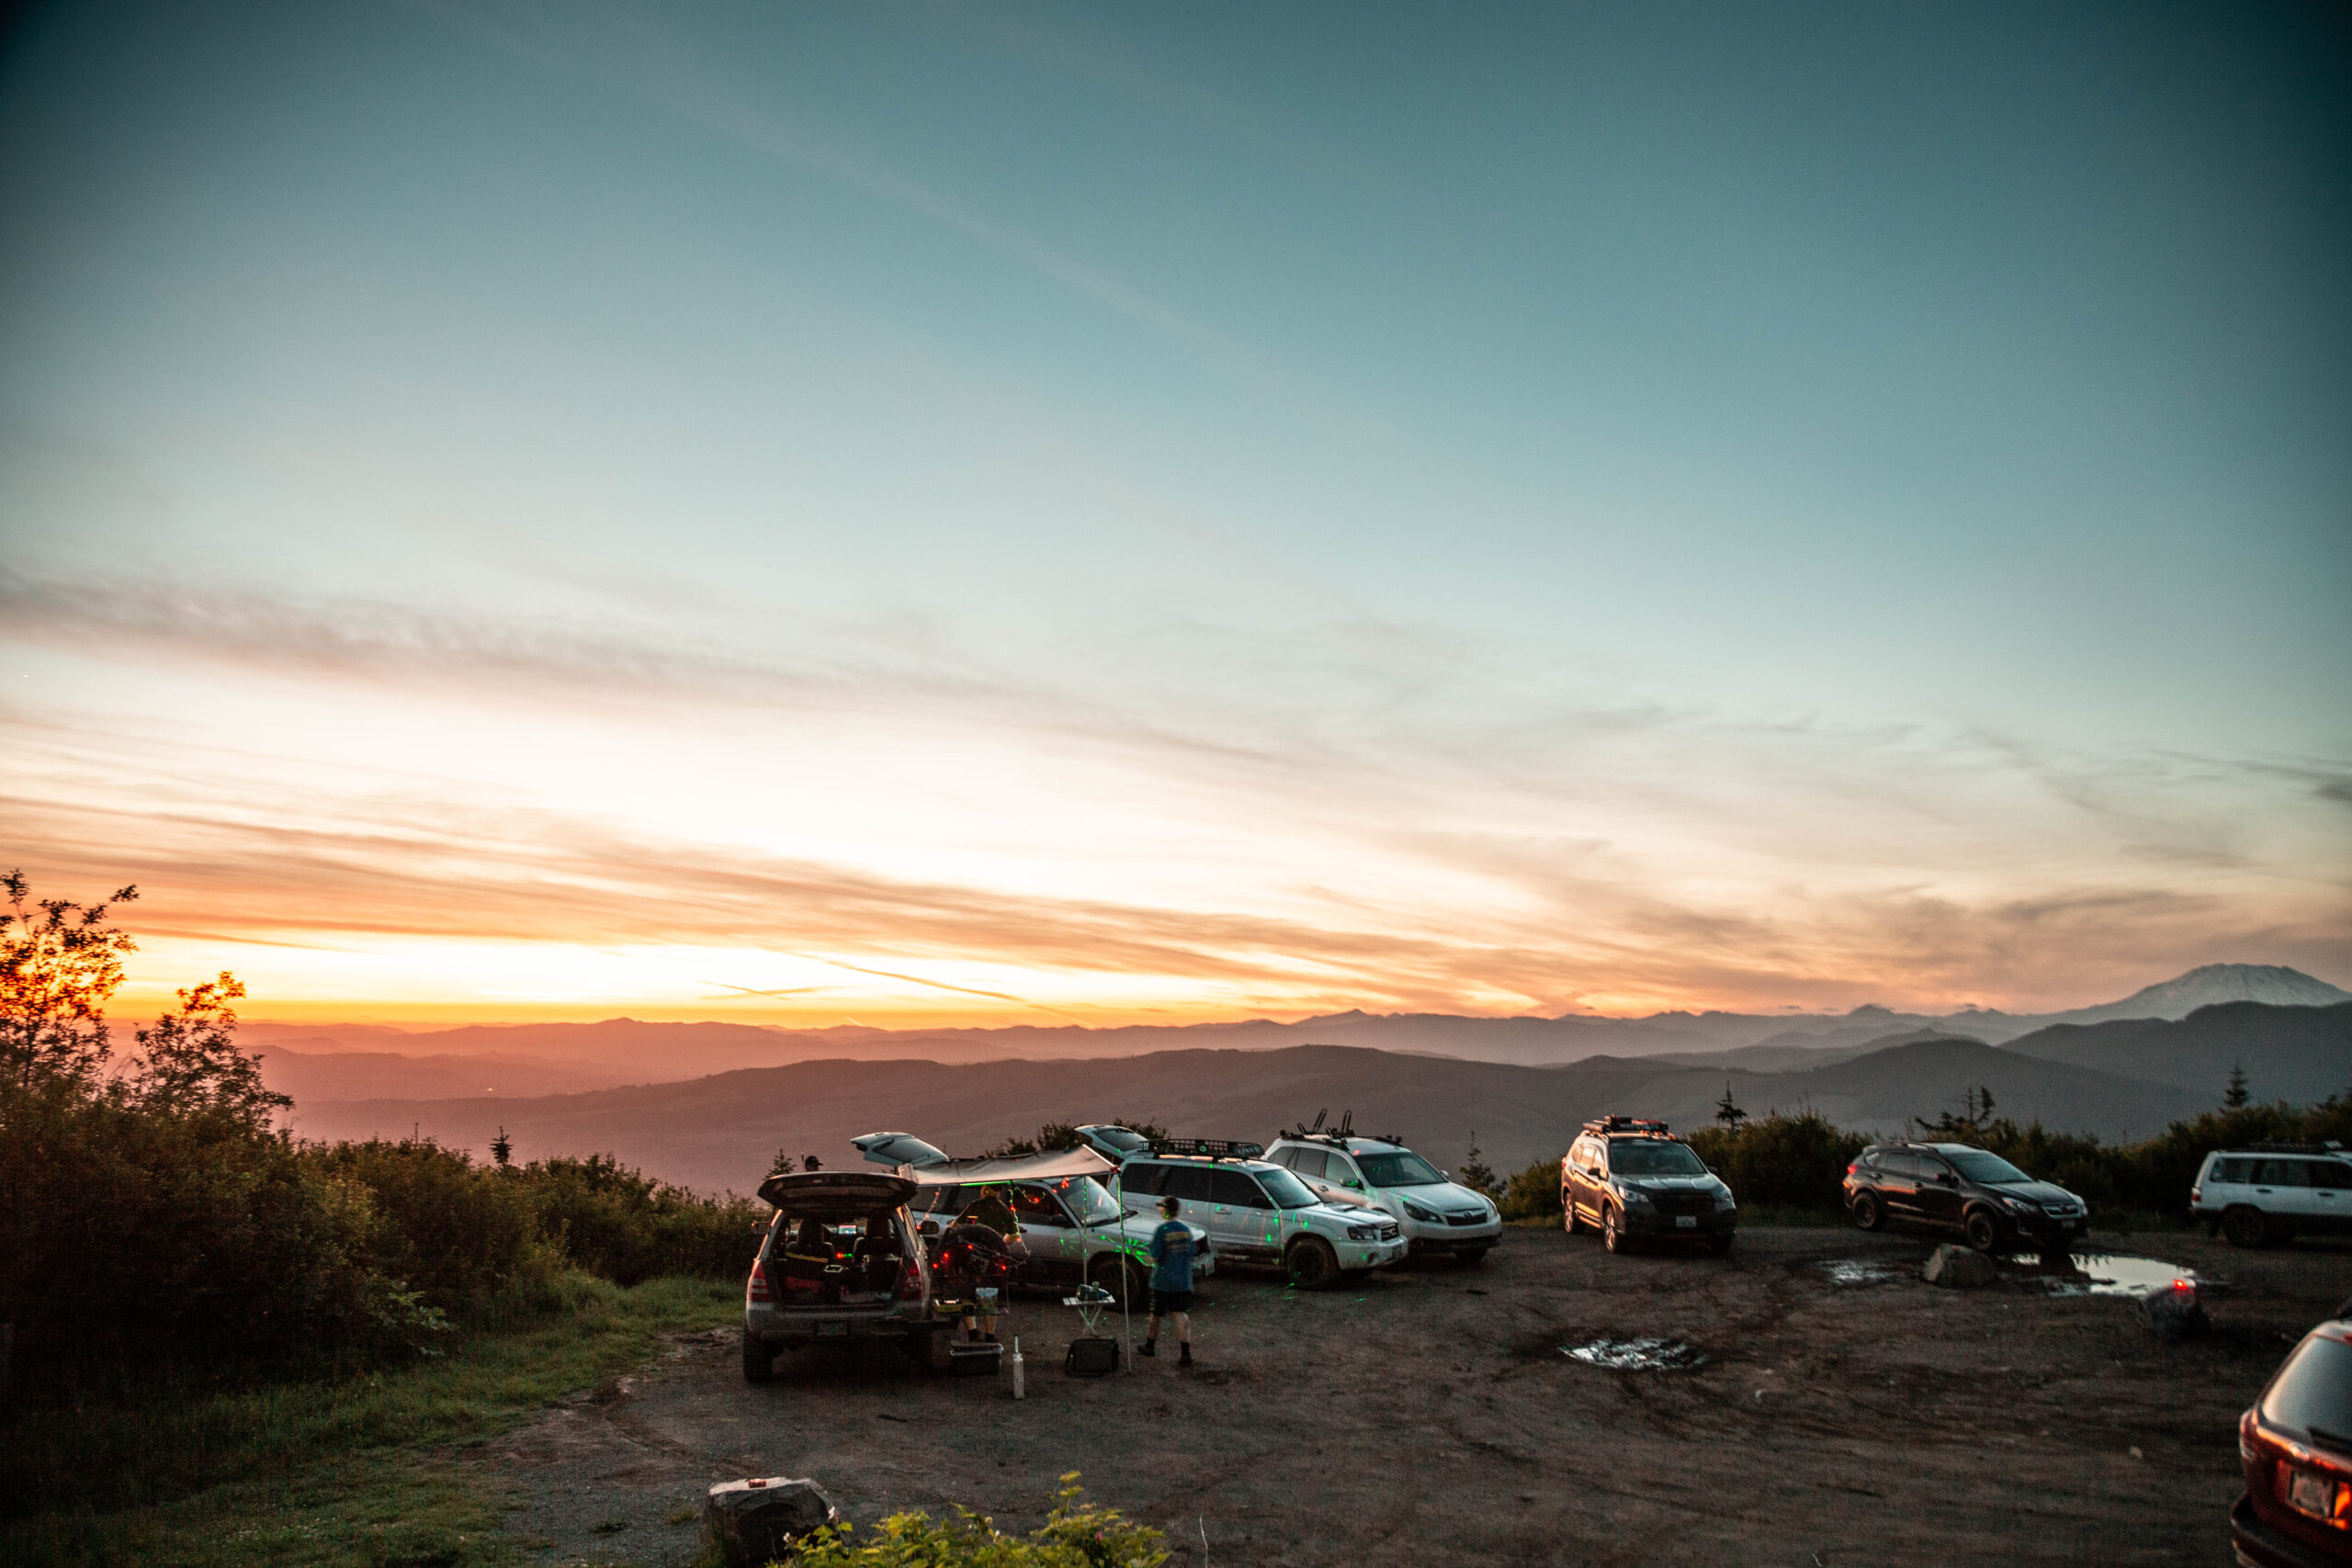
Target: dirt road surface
1846, 1414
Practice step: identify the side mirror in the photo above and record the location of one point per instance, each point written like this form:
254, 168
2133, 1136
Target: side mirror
929, 1227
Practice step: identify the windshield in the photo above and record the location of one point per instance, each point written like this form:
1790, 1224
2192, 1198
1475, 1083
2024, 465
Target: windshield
1978, 1166
1084, 1197
1120, 1139
1658, 1158
2313, 1391
1287, 1191
1398, 1170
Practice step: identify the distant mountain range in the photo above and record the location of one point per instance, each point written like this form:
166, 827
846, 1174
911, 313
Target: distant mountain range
339, 1061
720, 1132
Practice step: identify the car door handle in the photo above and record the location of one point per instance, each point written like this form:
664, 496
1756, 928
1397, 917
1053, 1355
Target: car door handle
2264, 1190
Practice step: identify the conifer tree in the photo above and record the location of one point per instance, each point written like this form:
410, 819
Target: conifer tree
2234, 1097
1727, 1111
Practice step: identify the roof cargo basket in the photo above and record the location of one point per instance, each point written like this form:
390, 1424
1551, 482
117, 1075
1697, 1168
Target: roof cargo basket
1624, 1124
2306, 1148
1207, 1148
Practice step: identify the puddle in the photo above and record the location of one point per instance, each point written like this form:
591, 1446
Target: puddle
2108, 1274
1862, 1272
1636, 1355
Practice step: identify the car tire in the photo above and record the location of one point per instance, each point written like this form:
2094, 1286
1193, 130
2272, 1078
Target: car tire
2245, 1226
1981, 1232
1313, 1266
1122, 1276
1870, 1214
1612, 1231
1471, 1256
1568, 1220
759, 1362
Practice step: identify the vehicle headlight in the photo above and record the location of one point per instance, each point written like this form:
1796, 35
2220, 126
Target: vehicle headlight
1724, 1199
1634, 1195
1363, 1233
2022, 1206
1416, 1211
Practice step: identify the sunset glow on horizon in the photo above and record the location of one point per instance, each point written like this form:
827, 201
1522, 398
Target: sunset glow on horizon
949, 518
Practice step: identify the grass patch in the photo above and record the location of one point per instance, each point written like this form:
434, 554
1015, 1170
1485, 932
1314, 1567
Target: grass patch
357, 1470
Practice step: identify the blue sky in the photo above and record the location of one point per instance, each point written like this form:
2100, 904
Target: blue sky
1523, 509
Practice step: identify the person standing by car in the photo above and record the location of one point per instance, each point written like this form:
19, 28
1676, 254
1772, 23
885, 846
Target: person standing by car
1171, 1282
976, 1261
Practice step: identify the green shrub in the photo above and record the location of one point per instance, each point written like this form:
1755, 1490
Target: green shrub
1533, 1193
1782, 1161
1075, 1535
621, 1224
454, 1233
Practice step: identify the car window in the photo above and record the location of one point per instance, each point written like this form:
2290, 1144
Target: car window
1234, 1189
2229, 1172
2313, 1391
1654, 1158
1308, 1162
1400, 1169
1136, 1177
1287, 1191
1190, 1182
2331, 1173
940, 1201
2278, 1173
1035, 1206
1978, 1166
1120, 1139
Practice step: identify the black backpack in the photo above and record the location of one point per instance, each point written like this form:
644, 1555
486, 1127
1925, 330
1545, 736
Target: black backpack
1092, 1357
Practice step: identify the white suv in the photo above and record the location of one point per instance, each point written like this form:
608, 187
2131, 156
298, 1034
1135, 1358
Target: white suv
2270, 1192
1260, 1213
1436, 1215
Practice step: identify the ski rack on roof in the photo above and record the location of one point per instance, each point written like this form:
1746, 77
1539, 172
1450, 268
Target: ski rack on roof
1605, 1125
1207, 1148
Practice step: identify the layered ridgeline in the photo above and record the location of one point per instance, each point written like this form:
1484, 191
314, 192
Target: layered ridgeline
333, 1062
722, 1132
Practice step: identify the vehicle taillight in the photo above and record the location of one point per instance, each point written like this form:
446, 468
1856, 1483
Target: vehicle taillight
756, 1289
910, 1281
1852, 1165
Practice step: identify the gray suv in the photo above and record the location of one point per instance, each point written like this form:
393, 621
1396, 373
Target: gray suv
839, 1263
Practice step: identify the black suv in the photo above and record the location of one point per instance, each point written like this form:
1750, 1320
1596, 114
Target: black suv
1959, 1187
1627, 1179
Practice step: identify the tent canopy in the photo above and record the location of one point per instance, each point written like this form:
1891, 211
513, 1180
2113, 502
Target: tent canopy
1053, 1166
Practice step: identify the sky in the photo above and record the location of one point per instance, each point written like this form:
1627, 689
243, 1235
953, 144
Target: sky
1016, 514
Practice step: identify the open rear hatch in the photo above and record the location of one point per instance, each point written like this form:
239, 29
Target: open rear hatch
841, 1240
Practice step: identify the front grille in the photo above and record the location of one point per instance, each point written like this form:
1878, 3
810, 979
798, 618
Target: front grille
1684, 1203
1467, 1217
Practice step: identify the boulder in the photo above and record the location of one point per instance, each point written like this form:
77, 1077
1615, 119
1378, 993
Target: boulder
1960, 1266
758, 1521
2176, 1313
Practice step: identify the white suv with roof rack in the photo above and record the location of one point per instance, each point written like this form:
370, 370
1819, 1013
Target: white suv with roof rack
2267, 1192
1436, 1215
1256, 1211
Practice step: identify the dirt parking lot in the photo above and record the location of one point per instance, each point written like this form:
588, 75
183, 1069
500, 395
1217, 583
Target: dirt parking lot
1844, 1414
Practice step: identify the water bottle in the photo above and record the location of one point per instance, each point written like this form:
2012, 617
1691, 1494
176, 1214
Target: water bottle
1018, 1390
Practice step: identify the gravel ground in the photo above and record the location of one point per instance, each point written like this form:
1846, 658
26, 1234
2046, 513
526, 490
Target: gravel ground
1844, 1414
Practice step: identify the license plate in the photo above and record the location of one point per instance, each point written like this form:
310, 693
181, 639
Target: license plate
2313, 1494
1686, 1221
834, 1330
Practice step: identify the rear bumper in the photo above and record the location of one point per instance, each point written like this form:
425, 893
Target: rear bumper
788, 1329
2264, 1546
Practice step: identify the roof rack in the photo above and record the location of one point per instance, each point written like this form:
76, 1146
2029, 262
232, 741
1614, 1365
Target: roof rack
1626, 1124
1207, 1148
2331, 1146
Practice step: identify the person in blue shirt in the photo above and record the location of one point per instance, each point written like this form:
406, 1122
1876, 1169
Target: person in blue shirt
1171, 1283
